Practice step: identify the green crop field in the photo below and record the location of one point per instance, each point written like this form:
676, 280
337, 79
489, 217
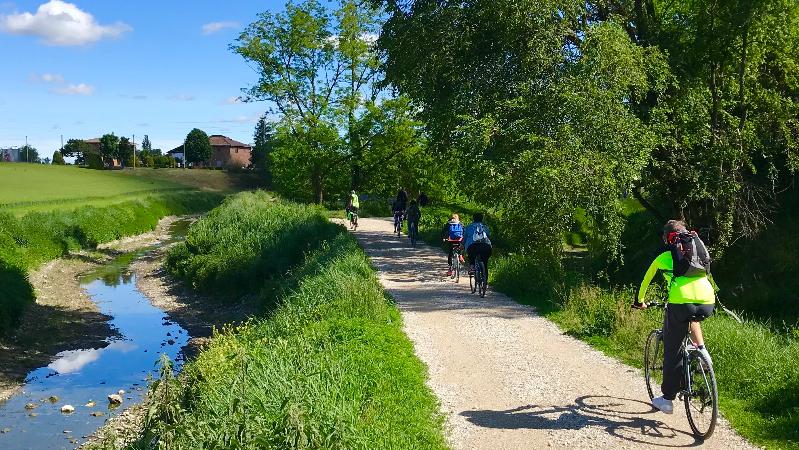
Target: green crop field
35, 187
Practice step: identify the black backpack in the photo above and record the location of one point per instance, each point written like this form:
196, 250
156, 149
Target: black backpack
689, 254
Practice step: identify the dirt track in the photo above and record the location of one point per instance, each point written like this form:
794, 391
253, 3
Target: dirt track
509, 379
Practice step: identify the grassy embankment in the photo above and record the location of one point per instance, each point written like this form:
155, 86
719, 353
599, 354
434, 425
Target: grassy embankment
34, 187
756, 366
48, 211
327, 366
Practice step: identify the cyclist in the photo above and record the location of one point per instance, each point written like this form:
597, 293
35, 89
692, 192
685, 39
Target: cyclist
452, 232
398, 210
412, 215
402, 198
477, 242
691, 299
353, 205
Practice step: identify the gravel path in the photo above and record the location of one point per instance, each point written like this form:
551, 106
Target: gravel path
509, 379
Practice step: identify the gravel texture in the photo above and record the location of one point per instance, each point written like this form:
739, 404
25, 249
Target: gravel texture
510, 379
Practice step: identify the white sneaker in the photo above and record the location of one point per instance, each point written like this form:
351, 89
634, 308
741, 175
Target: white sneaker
665, 406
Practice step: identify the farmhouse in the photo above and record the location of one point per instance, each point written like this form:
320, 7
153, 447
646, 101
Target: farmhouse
226, 152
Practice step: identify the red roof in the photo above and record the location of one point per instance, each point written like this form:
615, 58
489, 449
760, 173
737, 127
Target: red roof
219, 140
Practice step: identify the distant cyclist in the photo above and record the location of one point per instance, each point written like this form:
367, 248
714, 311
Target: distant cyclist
402, 198
453, 236
477, 242
685, 263
412, 215
398, 211
353, 206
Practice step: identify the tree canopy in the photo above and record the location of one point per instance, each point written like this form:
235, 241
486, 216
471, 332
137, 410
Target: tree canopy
319, 70
563, 106
198, 146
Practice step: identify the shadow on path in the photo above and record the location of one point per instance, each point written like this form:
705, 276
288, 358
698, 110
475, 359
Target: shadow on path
628, 419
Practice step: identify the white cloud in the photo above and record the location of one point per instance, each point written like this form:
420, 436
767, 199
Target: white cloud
47, 78
183, 98
75, 89
61, 23
214, 27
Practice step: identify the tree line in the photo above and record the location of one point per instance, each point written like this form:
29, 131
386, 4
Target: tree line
544, 111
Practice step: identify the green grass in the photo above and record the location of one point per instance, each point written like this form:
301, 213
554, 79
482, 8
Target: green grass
327, 367
35, 187
34, 238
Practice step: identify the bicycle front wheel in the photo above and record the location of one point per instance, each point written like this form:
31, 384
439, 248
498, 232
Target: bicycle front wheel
702, 400
653, 362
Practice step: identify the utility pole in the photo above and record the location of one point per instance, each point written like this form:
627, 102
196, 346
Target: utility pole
184, 155
26, 150
62, 142
134, 152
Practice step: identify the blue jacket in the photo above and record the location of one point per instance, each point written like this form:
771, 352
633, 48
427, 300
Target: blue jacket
468, 233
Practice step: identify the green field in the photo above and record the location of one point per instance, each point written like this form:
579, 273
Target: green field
35, 187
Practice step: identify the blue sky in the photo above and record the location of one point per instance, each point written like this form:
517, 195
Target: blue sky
135, 67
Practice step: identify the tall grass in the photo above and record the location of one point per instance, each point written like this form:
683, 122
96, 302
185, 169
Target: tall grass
328, 368
37, 237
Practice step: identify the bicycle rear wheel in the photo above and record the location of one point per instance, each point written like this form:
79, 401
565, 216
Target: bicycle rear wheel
653, 362
473, 282
482, 281
701, 400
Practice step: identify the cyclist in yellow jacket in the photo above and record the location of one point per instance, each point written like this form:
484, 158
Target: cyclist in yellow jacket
691, 299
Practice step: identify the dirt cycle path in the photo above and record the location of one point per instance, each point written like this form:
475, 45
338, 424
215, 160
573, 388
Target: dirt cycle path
509, 379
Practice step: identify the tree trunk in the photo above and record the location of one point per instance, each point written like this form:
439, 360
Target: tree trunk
317, 181
638, 194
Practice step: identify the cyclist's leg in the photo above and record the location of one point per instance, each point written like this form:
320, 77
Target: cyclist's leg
450, 248
471, 254
486, 255
703, 311
675, 327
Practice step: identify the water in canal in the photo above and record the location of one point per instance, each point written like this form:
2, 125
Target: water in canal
82, 376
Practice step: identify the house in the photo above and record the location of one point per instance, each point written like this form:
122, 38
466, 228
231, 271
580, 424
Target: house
226, 152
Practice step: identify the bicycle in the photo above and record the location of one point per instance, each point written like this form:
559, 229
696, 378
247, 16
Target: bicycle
478, 280
398, 217
457, 256
699, 391
413, 232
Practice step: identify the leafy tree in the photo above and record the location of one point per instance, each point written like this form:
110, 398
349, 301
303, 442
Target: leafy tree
109, 148
45, 161
29, 154
75, 148
262, 148
536, 126
126, 151
146, 145
320, 70
58, 158
198, 146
